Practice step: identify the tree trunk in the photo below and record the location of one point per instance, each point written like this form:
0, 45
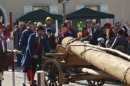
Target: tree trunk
113, 65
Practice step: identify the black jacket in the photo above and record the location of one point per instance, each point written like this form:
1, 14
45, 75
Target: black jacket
51, 41
95, 36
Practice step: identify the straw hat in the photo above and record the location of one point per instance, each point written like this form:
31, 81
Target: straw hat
39, 24
88, 21
48, 18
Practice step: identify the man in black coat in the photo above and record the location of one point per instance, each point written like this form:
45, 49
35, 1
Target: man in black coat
50, 39
96, 33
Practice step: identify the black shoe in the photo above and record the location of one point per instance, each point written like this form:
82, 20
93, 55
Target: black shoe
23, 84
29, 80
33, 84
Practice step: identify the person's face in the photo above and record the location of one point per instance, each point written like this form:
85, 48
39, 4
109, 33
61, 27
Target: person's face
40, 33
108, 45
21, 25
31, 26
118, 26
3, 30
48, 21
98, 26
107, 30
64, 29
68, 23
84, 31
89, 24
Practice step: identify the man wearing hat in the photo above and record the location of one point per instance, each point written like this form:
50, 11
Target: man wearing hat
33, 53
89, 27
64, 33
23, 44
3, 47
70, 28
48, 24
3, 52
50, 39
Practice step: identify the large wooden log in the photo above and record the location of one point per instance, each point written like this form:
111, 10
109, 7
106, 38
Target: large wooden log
113, 65
92, 71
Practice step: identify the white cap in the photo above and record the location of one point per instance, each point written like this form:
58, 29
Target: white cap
101, 40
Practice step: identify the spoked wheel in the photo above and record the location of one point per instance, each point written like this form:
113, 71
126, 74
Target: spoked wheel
97, 82
52, 69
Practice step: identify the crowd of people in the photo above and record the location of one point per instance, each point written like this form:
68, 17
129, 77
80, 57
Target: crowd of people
107, 36
35, 38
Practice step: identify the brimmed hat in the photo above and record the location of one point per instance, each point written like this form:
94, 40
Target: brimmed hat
67, 21
39, 24
64, 25
108, 25
40, 28
30, 22
88, 21
48, 18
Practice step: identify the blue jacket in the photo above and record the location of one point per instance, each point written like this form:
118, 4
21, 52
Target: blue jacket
24, 39
31, 48
69, 34
51, 27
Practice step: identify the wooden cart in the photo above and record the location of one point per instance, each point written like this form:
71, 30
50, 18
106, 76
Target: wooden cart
64, 67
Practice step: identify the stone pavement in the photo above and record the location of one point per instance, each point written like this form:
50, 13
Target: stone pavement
19, 78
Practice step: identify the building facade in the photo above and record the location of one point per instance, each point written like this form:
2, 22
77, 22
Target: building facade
120, 8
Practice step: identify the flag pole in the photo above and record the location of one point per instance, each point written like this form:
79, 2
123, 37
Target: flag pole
12, 47
56, 32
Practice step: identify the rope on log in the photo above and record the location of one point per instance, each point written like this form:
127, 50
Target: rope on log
104, 49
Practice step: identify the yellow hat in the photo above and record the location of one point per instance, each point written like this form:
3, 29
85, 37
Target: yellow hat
39, 24
89, 20
48, 18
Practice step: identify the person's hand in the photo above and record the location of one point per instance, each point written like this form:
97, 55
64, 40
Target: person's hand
52, 51
35, 56
56, 41
11, 38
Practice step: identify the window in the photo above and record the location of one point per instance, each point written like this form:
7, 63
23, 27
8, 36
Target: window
46, 8
96, 8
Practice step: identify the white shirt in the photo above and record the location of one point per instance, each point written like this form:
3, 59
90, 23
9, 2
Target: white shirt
8, 43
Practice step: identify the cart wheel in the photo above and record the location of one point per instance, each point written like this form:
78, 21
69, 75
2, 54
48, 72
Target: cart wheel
97, 82
53, 69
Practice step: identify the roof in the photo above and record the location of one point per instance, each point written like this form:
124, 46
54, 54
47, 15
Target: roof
86, 13
39, 15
